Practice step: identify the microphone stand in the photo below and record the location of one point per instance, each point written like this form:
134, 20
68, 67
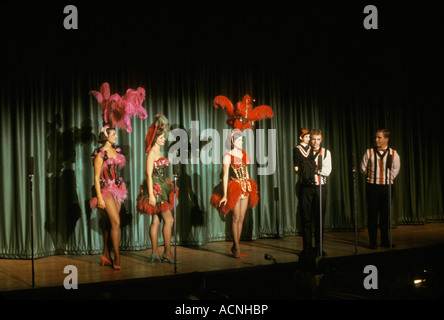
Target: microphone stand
31, 175
276, 200
320, 205
175, 231
390, 199
355, 210
320, 215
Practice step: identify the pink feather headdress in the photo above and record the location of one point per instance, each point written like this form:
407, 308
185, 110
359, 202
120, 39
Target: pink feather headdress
116, 110
242, 116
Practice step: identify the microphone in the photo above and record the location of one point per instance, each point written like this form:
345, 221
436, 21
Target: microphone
30, 167
354, 164
175, 170
268, 256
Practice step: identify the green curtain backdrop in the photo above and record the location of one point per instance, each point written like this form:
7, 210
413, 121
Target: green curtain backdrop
331, 76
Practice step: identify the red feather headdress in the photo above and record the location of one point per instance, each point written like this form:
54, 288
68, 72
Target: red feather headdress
116, 110
160, 122
242, 116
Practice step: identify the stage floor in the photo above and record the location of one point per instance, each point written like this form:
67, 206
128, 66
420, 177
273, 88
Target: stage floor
15, 275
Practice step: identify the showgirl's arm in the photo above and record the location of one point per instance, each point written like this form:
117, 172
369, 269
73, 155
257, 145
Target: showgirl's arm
98, 162
149, 172
226, 169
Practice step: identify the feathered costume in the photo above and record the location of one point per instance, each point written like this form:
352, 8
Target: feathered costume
239, 185
117, 112
111, 183
163, 188
243, 115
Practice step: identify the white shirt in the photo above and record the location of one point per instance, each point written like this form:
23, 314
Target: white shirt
326, 166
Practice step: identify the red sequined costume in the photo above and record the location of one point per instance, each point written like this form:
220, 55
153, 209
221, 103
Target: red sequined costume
111, 183
239, 186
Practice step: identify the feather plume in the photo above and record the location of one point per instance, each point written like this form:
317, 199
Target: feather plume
243, 115
260, 112
117, 111
223, 102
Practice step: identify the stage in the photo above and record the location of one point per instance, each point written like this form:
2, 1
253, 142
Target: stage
208, 272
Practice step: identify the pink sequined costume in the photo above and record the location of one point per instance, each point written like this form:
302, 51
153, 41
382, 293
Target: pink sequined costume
111, 183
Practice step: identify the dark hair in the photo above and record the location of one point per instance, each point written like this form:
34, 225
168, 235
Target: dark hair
158, 133
385, 133
231, 138
235, 136
102, 138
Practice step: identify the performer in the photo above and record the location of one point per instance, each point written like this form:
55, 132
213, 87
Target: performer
301, 155
237, 191
156, 196
380, 165
109, 189
311, 192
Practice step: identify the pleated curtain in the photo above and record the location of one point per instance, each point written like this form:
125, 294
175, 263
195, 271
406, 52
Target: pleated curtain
345, 88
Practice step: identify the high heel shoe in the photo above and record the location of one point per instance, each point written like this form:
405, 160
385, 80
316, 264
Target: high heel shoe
105, 261
237, 256
164, 257
233, 253
116, 267
155, 258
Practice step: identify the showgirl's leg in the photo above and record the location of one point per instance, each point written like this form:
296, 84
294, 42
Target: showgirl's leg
235, 230
243, 210
106, 252
112, 209
238, 219
168, 221
154, 231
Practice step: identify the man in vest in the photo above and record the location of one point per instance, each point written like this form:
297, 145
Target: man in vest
380, 165
311, 193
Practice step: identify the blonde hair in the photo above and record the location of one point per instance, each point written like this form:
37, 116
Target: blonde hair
315, 132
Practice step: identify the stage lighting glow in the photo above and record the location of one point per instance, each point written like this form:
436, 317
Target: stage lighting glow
418, 281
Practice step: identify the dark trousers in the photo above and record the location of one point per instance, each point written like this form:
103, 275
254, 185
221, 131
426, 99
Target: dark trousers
310, 214
378, 204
